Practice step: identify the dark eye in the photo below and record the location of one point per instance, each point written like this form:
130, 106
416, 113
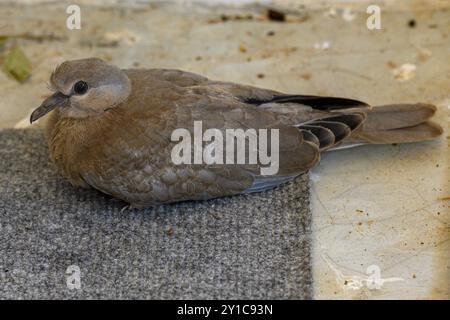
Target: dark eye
80, 87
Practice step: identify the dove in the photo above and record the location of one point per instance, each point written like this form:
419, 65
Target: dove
112, 129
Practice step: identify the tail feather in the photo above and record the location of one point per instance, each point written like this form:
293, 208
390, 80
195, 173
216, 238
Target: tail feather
399, 123
422, 132
397, 116
324, 135
343, 124
331, 131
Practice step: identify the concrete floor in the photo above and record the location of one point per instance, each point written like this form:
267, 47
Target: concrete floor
375, 208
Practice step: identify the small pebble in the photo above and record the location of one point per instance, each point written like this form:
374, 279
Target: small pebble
276, 15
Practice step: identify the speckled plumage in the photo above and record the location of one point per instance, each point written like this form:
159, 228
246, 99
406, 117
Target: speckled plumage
118, 141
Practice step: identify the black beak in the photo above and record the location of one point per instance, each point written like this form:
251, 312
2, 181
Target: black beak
55, 100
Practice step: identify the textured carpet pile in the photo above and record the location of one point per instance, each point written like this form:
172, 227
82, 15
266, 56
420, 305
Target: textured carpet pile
253, 246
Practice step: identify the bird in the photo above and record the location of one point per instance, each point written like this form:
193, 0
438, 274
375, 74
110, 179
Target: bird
111, 129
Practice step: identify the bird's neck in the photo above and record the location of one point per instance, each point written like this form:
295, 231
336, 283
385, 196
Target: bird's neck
70, 140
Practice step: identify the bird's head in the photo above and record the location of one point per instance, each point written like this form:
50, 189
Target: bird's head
83, 88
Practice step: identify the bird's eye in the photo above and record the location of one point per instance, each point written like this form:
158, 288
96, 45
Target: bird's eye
80, 87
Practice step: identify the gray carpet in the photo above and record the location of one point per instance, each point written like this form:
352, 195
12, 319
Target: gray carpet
252, 246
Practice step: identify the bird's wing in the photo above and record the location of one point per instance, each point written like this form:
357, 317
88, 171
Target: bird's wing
325, 121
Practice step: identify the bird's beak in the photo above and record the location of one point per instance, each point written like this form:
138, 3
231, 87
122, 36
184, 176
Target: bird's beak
57, 99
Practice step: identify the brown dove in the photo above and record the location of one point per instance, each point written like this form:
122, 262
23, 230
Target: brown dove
112, 129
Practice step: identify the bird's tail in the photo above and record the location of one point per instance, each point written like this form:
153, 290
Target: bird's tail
396, 123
